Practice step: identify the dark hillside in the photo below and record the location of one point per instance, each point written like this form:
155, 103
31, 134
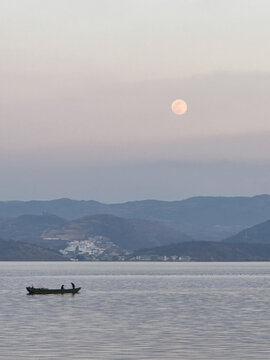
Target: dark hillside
18, 251
26, 227
126, 233
258, 234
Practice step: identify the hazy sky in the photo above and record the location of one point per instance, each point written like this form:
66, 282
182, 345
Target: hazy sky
86, 89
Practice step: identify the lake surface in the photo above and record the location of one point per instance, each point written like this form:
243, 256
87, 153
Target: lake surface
136, 311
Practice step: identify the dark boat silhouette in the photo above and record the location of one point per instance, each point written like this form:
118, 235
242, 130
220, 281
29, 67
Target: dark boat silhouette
44, 291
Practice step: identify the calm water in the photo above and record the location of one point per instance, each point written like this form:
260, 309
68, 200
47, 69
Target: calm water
136, 311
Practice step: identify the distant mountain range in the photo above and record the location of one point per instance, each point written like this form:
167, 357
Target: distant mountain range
140, 228
87, 237
202, 218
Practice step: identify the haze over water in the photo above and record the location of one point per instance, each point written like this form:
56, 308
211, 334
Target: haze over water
136, 311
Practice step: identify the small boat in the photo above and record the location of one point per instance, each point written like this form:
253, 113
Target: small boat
44, 291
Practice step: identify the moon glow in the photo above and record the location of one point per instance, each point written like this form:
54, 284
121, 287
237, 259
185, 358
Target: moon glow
179, 107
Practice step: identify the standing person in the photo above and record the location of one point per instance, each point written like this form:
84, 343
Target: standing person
73, 285
62, 287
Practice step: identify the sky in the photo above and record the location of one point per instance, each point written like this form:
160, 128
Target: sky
86, 91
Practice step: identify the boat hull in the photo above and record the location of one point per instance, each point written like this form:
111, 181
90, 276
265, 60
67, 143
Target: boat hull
43, 291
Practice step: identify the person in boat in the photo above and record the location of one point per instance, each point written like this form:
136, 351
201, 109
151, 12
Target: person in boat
73, 285
62, 287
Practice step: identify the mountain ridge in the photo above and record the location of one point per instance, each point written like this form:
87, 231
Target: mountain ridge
200, 217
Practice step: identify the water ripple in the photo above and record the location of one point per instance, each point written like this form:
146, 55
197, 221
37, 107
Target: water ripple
137, 311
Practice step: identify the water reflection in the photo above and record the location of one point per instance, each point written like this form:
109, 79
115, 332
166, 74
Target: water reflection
137, 311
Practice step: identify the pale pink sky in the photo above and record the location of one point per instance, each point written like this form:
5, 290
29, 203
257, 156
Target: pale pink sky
87, 87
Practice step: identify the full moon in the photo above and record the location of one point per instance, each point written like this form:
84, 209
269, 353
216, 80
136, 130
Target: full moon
179, 107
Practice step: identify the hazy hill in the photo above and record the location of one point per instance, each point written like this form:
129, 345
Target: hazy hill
206, 218
259, 234
27, 227
18, 251
65, 208
126, 233
210, 251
